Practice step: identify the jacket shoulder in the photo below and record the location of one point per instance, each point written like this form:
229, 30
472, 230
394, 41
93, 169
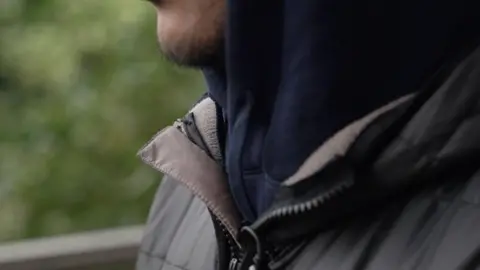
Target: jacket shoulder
437, 229
179, 233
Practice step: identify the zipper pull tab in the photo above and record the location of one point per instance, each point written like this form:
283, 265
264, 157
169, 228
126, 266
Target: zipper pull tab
252, 248
233, 264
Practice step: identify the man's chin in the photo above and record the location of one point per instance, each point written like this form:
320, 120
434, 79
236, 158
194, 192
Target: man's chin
206, 58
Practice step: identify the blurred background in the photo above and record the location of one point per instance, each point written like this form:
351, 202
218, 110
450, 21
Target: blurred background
82, 87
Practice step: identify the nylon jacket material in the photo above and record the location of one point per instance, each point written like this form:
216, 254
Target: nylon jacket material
412, 204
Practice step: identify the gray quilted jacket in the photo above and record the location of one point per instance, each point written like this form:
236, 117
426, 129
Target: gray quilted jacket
397, 189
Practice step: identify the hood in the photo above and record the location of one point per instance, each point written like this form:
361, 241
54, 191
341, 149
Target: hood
297, 71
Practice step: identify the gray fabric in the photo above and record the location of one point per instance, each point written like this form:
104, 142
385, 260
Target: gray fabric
173, 154
438, 230
431, 227
206, 121
179, 233
338, 144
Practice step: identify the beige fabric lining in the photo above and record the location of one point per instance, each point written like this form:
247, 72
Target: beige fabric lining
338, 144
172, 153
206, 121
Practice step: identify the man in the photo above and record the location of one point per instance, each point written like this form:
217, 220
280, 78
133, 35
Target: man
335, 135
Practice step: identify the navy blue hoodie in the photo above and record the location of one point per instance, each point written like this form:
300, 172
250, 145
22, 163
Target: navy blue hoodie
297, 71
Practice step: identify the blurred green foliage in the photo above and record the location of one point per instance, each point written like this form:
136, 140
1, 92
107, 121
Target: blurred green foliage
82, 87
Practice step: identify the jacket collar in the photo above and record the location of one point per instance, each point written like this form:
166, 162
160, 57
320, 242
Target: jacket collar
173, 153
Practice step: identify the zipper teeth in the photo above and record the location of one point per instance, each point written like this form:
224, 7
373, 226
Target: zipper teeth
308, 205
234, 252
231, 244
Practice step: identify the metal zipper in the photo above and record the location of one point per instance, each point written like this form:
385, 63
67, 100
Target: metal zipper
306, 206
233, 264
284, 212
233, 246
